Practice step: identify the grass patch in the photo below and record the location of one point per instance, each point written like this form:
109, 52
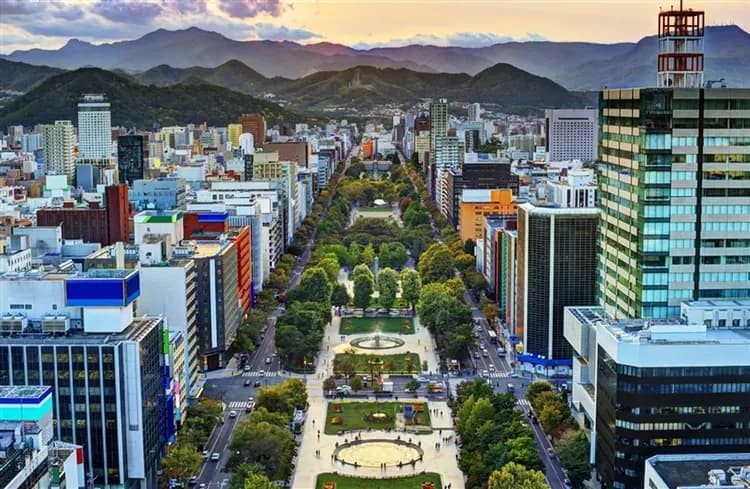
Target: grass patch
412, 482
354, 325
375, 209
398, 363
349, 416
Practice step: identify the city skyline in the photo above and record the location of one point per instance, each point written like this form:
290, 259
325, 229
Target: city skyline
49, 25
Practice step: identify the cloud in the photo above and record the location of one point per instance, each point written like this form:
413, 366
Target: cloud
69, 13
19, 7
272, 32
250, 8
185, 6
457, 39
127, 12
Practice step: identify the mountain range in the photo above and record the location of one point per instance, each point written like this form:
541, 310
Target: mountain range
575, 65
502, 85
133, 104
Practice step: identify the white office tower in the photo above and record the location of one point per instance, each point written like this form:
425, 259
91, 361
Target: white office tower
475, 112
247, 143
571, 134
58, 144
438, 121
94, 128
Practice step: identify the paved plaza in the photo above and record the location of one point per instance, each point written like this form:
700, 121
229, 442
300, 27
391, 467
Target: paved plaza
309, 464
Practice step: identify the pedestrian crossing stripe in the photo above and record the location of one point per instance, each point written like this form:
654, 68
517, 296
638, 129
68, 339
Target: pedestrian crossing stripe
257, 374
237, 404
523, 403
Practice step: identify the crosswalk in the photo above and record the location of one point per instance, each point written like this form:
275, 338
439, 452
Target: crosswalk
255, 373
524, 403
498, 375
237, 405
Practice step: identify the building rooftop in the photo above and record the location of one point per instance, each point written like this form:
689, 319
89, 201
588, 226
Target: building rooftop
689, 471
21, 393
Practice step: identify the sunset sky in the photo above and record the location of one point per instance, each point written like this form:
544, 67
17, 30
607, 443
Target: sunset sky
26, 24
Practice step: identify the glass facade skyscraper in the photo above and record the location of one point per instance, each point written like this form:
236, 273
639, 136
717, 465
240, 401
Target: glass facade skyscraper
675, 198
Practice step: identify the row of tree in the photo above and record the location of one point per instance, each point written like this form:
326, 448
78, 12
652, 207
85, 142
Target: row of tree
494, 435
263, 445
570, 442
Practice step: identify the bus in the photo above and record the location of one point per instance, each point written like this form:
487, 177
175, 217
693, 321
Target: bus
493, 337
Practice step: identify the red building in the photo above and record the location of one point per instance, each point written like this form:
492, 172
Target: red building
241, 238
92, 223
205, 225
255, 124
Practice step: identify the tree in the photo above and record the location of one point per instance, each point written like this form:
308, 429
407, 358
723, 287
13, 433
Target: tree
469, 246
296, 392
536, 388
465, 262
314, 286
274, 400
244, 472
363, 288
392, 255
523, 450
368, 255
490, 312
573, 452
411, 285
516, 476
387, 287
340, 296
263, 415
330, 265
329, 384
258, 481
436, 264
270, 446
355, 252
345, 365
355, 382
182, 462
412, 385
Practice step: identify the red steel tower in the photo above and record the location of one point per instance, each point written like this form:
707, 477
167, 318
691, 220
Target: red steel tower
680, 61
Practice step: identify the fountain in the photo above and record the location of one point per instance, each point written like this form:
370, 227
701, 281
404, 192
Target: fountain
377, 342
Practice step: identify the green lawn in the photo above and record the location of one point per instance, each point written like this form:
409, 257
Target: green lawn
413, 482
391, 364
353, 325
352, 415
374, 209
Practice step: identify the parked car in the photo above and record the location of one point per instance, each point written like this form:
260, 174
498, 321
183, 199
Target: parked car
344, 388
205, 453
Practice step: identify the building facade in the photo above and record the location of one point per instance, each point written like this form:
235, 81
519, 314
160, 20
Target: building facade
59, 143
132, 158
571, 134
94, 128
674, 198
254, 124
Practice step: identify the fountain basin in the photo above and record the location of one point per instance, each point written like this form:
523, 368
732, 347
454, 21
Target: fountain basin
372, 453
377, 342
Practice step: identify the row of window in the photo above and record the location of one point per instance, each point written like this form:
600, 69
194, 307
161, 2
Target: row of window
686, 409
711, 141
718, 388
682, 371
676, 426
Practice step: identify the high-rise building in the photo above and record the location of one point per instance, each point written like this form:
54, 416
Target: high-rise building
132, 158
476, 204
680, 61
556, 268
665, 387
438, 121
675, 211
571, 134
254, 124
475, 112
94, 128
59, 143
233, 134
104, 367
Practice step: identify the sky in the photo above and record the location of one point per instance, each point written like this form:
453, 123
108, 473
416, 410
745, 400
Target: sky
49, 24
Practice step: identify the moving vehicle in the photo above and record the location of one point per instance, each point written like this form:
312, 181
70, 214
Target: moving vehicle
250, 406
246, 368
268, 360
205, 453
247, 382
215, 457
262, 373
493, 337
511, 388
232, 414
485, 353
485, 373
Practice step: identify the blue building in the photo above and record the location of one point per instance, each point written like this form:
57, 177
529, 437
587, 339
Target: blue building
161, 194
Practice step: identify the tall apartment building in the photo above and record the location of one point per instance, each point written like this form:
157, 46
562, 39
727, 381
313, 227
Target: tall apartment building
438, 121
571, 134
132, 158
233, 134
475, 112
254, 124
218, 304
59, 143
94, 128
674, 198
104, 366
556, 268
660, 387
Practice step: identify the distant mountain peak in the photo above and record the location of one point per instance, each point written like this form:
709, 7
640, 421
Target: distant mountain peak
76, 43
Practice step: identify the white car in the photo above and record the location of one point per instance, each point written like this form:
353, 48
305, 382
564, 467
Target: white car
491, 367
262, 373
215, 457
485, 373
232, 414
205, 453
